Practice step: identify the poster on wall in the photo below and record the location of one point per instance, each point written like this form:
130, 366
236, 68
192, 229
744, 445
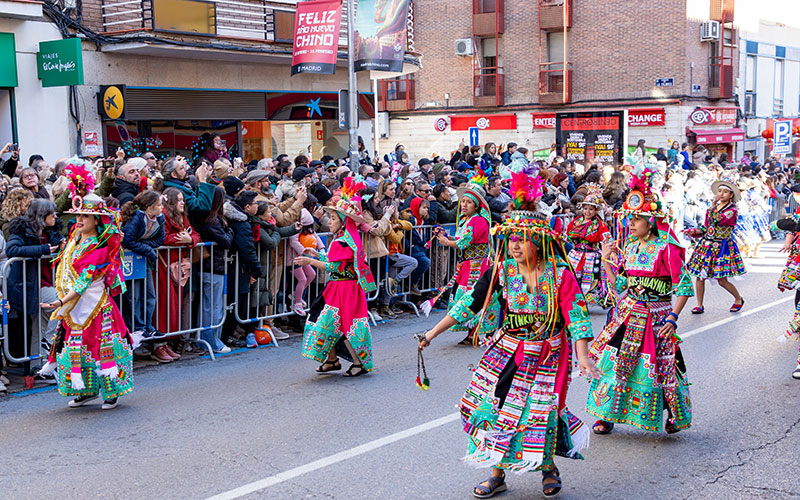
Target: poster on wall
380, 35
591, 136
316, 37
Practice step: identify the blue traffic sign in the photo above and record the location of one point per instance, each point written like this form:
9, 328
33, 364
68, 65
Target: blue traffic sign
473, 136
782, 142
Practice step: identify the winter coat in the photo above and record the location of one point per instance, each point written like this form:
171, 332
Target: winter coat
216, 231
133, 231
446, 215
433, 209
243, 244
375, 242
24, 242
296, 248
197, 199
124, 191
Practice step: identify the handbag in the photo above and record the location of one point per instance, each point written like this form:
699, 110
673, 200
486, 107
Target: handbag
179, 271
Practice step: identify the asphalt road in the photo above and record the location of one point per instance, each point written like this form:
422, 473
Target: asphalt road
198, 428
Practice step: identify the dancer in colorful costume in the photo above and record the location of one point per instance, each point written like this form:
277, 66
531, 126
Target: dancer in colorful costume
473, 243
637, 351
586, 233
514, 409
338, 322
93, 349
790, 277
716, 255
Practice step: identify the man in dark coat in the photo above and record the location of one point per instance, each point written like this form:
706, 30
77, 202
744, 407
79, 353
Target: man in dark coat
126, 184
247, 265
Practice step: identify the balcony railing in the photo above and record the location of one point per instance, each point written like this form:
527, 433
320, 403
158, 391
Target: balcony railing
488, 17
396, 94
720, 78
265, 20
555, 83
555, 15
489, 87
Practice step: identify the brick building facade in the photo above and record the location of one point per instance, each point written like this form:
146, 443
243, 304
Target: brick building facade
614, 53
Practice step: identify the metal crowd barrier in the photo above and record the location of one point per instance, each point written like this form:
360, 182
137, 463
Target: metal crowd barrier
12, 315
189, 316
181, 313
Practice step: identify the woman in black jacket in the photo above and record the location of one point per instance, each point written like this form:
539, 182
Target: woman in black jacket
246, 265
214, 228
143, 229
31, 237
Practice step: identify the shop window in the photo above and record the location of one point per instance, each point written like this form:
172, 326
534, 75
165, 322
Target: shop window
316, 138
169, 138
6, 117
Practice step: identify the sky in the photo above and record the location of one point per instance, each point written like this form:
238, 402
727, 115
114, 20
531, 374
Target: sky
748, 12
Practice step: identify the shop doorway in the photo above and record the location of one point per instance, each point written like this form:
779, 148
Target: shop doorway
315, 138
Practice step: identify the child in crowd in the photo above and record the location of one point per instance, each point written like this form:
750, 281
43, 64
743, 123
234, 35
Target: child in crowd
305, 239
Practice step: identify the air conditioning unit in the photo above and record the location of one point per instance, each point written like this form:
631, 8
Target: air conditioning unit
749, 104
709, 30
464, 47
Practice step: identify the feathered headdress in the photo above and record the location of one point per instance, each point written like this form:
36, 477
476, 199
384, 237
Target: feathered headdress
82, 180
349, 203
642, 200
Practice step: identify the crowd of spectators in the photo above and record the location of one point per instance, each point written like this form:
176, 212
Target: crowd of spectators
251, 209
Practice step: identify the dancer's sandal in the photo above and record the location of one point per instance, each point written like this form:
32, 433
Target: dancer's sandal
796, 373
670, 427
495, 485
359, 370
602, 427
335, 366
554, 486
698, 310
466, 341
735, 308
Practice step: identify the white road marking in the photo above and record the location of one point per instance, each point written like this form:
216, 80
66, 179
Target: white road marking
333, 459
413, 431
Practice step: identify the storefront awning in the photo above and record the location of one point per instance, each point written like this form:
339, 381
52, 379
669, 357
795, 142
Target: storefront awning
718, 136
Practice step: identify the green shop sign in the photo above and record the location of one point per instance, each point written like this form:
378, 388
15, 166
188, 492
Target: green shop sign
8, 61
60, 62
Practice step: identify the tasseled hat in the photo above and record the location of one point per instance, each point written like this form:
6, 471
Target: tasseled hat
475, 189
525, 192
594, 196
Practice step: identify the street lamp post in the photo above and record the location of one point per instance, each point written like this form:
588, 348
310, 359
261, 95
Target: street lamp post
352, 89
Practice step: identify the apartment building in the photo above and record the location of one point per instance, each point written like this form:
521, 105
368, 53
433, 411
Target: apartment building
506, 67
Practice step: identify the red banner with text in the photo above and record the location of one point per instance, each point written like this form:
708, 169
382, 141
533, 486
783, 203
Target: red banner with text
316, 37
487, 122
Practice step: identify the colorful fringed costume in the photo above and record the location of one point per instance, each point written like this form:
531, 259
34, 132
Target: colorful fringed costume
474, 256
340, 312
93, 350
586, 237
790, 277
514, 409
643, 370
716, 254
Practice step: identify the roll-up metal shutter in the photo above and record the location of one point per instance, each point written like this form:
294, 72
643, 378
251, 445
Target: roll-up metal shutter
163, 104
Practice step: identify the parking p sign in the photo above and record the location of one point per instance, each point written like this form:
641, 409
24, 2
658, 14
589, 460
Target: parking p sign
782, 143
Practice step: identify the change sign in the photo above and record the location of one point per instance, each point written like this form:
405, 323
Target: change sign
316, 37
60, 62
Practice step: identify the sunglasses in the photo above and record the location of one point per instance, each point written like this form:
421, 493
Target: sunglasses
424, 190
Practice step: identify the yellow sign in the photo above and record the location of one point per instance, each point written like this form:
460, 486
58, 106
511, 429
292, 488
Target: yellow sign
113, 102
